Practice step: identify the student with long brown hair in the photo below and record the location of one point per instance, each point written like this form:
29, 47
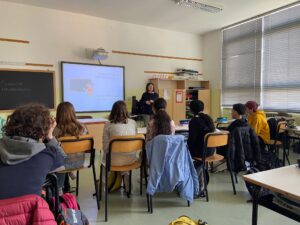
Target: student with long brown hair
119, 125
68, 125
161, 122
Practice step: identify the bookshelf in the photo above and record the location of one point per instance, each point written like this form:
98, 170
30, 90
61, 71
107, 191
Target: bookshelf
179, 93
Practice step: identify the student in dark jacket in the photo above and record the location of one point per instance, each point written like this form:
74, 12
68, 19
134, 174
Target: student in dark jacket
238, 113
199, 126
243, 143
147, 101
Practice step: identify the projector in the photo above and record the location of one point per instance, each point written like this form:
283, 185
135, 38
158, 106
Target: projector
100, 54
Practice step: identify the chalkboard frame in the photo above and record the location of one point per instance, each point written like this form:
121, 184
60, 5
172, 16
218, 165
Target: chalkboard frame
91, 64
33, 71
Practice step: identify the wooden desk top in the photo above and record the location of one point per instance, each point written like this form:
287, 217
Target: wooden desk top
143, 130
284, 180
93, 121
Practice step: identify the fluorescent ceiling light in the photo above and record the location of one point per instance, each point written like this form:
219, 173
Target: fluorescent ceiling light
200, 5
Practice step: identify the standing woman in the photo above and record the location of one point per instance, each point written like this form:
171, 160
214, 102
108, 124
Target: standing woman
68, 125
147, 101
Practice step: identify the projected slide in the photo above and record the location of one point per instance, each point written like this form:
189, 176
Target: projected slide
92, 88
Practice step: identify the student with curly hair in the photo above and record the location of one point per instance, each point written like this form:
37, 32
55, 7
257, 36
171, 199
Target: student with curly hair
161, 122
28, 151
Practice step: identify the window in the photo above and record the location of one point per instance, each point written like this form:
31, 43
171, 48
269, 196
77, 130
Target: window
263, 64
281, 61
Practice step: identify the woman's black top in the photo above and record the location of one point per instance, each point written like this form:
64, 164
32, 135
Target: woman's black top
145, 108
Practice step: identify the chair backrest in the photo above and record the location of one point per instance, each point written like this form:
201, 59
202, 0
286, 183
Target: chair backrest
216, 139
281, 126
127, 144
81, 144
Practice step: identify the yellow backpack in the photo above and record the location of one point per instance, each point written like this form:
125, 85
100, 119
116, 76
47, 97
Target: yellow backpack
185, 220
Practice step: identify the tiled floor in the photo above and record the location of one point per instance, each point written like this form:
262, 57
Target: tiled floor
223, 208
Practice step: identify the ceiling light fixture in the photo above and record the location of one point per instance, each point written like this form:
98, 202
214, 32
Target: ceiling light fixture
200, 5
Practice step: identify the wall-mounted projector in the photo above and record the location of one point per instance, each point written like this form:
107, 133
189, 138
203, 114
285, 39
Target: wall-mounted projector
100, 54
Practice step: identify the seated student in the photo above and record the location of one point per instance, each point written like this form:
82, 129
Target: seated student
258, 121
199, 126
120, 125
238, 113
28, 151
161, 122
68, 125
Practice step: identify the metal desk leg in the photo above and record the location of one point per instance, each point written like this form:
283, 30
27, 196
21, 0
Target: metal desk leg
255, 197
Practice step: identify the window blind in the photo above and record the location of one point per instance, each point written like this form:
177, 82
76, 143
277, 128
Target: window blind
241, 56
281, 61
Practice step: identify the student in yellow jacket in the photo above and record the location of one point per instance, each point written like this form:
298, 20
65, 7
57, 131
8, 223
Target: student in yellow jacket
258, 121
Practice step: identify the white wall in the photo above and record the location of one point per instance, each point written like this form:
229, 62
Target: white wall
212, 52
62, 36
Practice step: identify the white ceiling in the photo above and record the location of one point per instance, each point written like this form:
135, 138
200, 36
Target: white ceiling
164, 14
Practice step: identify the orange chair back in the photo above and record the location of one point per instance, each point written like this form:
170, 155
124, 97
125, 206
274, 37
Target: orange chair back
127, 144
216, 139
73, 144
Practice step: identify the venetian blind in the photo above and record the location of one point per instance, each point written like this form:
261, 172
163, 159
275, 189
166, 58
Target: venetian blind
241, 56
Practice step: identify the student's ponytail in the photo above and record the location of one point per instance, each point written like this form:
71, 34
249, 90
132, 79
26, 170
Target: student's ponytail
162, 123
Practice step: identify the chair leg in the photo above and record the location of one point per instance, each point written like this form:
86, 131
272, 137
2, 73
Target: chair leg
205, 183
77, 182
96, 189
231, 176
151, 206
106, 192
100, 185
141, 181
287, 157
145, 175
148, 202
236, 179
188, 203
130, 179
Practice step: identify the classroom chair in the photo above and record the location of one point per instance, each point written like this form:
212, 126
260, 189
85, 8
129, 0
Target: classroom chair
276, 143
123, 144
212, 140
170, 166
82, 144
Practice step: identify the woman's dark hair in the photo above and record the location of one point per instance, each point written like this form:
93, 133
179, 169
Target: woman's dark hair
30, 120
148, 84
196, 106
119, 113
66, 120
239, 108
161, 119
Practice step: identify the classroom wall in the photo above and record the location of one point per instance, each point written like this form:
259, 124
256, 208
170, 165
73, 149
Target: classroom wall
63, 36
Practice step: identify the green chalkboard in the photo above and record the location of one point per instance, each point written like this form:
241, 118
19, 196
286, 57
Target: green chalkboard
19, 87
